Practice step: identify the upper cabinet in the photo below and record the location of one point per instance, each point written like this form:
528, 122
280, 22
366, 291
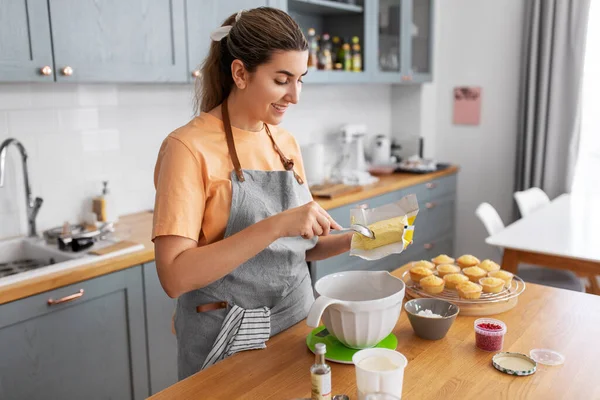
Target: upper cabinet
386, 41
25, 46
402, 40
204, 16
421, 40
340, 27
119, 41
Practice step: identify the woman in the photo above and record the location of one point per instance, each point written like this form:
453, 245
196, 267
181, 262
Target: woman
234, 222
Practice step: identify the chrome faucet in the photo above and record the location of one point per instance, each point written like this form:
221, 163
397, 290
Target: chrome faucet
32, 205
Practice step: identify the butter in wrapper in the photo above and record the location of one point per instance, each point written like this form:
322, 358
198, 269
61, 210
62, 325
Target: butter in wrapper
393, 225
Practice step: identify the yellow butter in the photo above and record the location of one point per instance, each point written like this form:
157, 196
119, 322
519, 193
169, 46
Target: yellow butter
386, 232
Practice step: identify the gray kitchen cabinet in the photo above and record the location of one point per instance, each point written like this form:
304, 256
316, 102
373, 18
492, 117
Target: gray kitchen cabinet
90, 344
204, 16
25, 47
162, 343
401, 40
419, 42
119, 41
433, 235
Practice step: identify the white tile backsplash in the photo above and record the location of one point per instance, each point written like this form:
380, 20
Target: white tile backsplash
79, 135
97, 95
78, 119
33, 121
15, 97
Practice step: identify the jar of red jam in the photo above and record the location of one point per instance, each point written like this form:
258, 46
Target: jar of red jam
489, 334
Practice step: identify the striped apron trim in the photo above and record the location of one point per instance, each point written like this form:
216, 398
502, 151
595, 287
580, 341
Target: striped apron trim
241, 330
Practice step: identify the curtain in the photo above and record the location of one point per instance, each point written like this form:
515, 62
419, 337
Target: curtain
550, 106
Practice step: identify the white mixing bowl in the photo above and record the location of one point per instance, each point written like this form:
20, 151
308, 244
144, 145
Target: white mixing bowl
359, 308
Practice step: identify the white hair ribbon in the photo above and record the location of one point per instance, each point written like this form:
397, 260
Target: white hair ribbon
223, 31
220, 33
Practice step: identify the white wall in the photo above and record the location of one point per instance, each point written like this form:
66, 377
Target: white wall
78, 135
478, 42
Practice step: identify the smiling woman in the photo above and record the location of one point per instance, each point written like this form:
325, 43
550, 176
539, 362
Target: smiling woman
234, 222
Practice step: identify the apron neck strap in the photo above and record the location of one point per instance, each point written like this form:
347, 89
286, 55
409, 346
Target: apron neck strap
288, 163
230, 142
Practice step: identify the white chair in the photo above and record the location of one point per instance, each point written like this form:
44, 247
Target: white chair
557, 278
530, 200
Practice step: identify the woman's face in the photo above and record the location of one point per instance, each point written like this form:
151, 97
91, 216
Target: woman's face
275, 85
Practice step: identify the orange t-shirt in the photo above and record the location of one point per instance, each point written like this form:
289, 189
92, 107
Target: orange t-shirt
192, 176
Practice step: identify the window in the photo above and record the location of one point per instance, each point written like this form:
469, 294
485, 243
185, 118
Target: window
587, 170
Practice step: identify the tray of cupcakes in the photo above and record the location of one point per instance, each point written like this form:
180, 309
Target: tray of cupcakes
479, 288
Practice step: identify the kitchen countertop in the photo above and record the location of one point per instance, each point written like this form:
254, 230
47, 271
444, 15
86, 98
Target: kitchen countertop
448, 368
138, 227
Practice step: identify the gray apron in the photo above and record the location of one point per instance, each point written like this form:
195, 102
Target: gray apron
262, 297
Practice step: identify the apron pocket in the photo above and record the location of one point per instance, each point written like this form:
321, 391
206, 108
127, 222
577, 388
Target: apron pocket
241, 330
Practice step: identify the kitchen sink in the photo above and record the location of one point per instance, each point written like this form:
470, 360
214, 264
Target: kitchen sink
25, 258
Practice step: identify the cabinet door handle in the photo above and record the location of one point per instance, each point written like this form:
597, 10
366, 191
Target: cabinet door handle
46, 70
428, 246
430, 205
67, 71
66, 299
431, 185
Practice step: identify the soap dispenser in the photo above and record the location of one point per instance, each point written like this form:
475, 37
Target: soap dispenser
104, 207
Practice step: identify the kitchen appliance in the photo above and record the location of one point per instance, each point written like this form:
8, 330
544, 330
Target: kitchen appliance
359, 308
381, 150
313, 157
353, 142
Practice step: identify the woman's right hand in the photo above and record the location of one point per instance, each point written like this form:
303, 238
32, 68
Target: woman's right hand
308, 221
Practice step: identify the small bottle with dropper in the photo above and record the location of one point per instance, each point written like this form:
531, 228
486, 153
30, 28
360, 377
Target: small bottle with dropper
320, 375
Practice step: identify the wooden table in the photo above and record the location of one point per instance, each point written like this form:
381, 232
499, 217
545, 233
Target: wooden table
565, 234
451, 368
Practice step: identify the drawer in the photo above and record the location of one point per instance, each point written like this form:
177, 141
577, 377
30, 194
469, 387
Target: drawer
435, 219
435, 188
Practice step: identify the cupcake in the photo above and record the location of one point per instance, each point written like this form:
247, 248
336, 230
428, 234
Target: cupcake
491, 285
504, 275
425, 264
474, 273
489, 266
418, 273
445, 269
469, 290
442, 259
453, 280
467, 261
433, 284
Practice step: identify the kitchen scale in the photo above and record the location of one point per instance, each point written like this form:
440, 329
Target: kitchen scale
336, 351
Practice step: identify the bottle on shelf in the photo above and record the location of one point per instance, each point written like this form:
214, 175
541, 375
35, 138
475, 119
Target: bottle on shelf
320, 375
336, 45
347, 57
313, 49
356, 56
325, 59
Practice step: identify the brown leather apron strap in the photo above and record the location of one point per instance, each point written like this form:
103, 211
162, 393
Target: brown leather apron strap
211, 306
231, 143
288, 163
